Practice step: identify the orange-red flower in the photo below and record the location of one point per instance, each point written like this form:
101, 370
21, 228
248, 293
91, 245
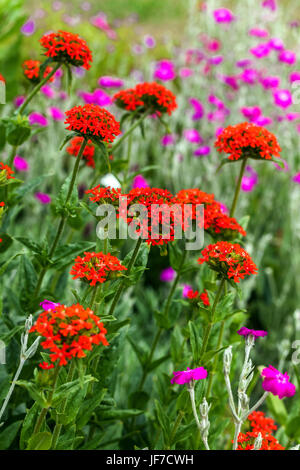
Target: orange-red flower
88, 153
5, 172
2, 78
90, 120
67, 48
247, 140
259, 424
96, 267
104, 195
230, 260
195, 295
68, 332
127, 99
31, 69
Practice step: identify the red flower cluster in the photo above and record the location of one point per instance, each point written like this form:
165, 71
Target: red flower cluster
91, 120
5, 172
31, 70
259, 424
96, 267
2, 78
69, 332
248, 140
228, 259
195, 295
216, 223
104, 195
67, 47
88, 153
151, 97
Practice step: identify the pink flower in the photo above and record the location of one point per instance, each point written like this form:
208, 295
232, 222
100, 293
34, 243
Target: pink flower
276, 43
43, 198
249, 76
149, 41
224, 208
167, 274
198, 108
185, 72
110, 82
282, 98
258, 32
294, 76
251, 112
248, 332
288, 57
18, 101
56, 114
37, 118
48, 304
202, 151
260, 51
223, 15
28, 28
139, 182
271, 4
48, 91
20, 163
167, 140
277, 383
215, 60
214, 100
263, 121
270, 82
187, 376
193, 136
165, 70
185, 290
243, 63
231, 81
296, 178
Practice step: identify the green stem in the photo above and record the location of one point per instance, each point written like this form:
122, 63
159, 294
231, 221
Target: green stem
44, 411
93, 297
63, 218
238, 187
62, 409
211, 375
176, 426
126, 134
122, 283
37, 88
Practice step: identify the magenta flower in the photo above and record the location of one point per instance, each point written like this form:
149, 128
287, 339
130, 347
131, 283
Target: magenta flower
20, 163
263, 121
271, 4
167, 140
18, 101
48, 91
185, 290
202, 151
248, 332
164, 70
193, 136
214, 100
224, 208
216, 60
296, 178
287, 57
185, 72
149, 41
37, 118
110, 82
101, 98
276, 44
249, 76
231, 81
223, 15
277, 383
140, 182
243, 63
56, 114
270, 82
167, 274
251, 112
198, 108
28, 28
258, 32
295, 76
187, 376
282, 98
43, 198
260, 51
48, 304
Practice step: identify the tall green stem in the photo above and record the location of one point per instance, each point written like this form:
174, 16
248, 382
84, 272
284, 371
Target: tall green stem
238, 187
44, 411
126, 134
63, 217
38, 87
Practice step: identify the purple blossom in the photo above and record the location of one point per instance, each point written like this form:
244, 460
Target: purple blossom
276, 44
277, 383
28, 28
149, 41
164, 70
48, 305
251, 112
185, 290
167, 274
224, 208
216, 60
18, 101
101, 98
294, 76
282, 98
214, 100
202, 151
167, 140
258, 32
271, 4
263, 121
231, 81
248, 332
139, 182
37, 118
198, 108
249, 76
185, 72
287, 57
187, 376
261, 50
43, 197
270, 82
296, 178
110, 82
48, 91
56, 114
193, 136
20, 163
223, 15
243, 63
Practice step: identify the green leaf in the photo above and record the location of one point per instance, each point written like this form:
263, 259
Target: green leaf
163, 420
293, 428
66, 254
139, 351
119, 414
28, 424
195, 341
70, 389
18, 130
33, 246
209, 355
36, 394
277, 408
40, 441
5, 243
2, 135
157, 362
8, 435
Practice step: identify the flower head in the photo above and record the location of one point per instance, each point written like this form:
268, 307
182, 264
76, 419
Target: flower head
127, 99
32, 71
223, 15
91, 120
247, 140
67, 48
96, 267
167, 274
277, 383
48, 304
248, 332
5, 173
189, 375
69, 332
230, 260
88, 153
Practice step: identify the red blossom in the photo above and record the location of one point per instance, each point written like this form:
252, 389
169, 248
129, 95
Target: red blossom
67, 47
88, 153
127, 99
91, 120
195, 295
96, 267
31, 70
5, 172
247, 140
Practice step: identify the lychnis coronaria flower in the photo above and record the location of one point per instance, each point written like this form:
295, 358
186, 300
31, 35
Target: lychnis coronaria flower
230, 260
68, 332
249, 332
96, 267
277, 383
186, 376
92, 121
247, 140
69, 48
